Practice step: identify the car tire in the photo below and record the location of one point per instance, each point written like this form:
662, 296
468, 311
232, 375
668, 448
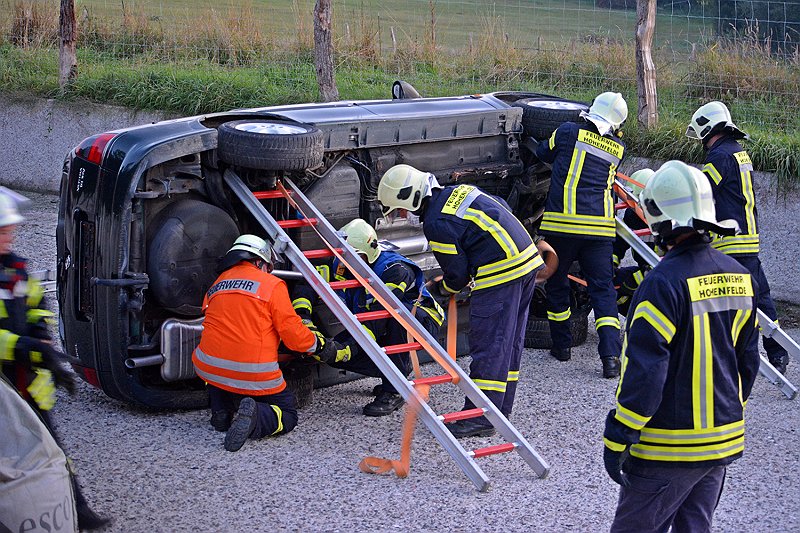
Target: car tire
541, 116
299, 379
269, 144
537, 333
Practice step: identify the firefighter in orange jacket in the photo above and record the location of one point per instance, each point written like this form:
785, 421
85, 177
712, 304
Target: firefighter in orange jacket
247, 314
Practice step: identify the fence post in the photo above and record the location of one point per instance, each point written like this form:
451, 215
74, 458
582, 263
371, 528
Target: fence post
67, 60
323, 51
645, 68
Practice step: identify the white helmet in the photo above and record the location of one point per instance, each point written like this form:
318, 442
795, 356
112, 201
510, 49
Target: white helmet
253, 245
608, 111
404, 187
9, 212
679, 196
362, 237
710, 118
641, 177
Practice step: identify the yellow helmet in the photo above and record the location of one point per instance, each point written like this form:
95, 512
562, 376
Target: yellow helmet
403, 187
362, 237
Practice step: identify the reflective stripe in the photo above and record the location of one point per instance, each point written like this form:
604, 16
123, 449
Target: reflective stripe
629, 418
655, 318
302, 303
739, 321
702, 374
436, 314
35, 293
737, 244
497, 231
236, 366
518, 272
42, 389
688, 453
279, 414
511, 261
552, 141
716, 305
448, 289
8, 341
614, 446
37, 315
402, 286
443, 248
745, 169
559, 317
692, 436
610, 321
589, 225
571, 180
239, 383
713, 173
487, 384
513, 375
324, 271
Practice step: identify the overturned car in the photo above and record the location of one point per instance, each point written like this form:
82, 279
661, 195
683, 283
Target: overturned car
144, 214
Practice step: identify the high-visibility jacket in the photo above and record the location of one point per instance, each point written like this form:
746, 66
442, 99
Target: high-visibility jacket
689, 360
584, 163
22, 317
729, 171
476, 239
247, 314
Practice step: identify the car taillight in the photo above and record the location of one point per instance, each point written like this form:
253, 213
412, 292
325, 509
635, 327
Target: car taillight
92, 148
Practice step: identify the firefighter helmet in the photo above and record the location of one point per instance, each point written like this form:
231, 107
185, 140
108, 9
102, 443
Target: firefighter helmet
404, 187
711, 118
9, 213
253, 245
641, 177
608, 112
362, 237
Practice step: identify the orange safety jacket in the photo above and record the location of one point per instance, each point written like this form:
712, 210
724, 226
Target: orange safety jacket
247, 313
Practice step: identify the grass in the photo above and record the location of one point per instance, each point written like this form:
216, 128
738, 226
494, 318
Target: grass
190, 57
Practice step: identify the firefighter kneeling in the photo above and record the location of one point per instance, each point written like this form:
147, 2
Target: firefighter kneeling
247, 314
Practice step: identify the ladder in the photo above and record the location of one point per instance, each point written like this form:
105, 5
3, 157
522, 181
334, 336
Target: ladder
422, 339
768, 327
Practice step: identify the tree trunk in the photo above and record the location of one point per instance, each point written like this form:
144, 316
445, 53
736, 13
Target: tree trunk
323, 51
67, 30
645, 68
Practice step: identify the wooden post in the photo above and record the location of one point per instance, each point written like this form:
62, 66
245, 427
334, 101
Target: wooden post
67, 31
394, 40
645, 68
323, 51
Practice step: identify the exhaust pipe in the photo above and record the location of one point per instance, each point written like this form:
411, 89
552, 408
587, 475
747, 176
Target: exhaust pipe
147, 360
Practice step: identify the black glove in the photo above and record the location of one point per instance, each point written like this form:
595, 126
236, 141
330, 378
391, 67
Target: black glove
613, 462
52, 360
331, 351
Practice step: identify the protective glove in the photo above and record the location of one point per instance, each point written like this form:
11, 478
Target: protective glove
43, 390
617, 439
331, 351
52, 360
613, 462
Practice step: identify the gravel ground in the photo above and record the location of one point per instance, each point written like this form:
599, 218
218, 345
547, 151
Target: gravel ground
168, 471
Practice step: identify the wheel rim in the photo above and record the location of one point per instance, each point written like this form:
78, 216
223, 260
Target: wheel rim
557, 104
271, 128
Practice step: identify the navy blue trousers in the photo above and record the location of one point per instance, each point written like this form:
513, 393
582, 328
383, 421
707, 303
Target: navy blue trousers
661, 497
498, 317
594, 258
276, 415
387, 331
764, 300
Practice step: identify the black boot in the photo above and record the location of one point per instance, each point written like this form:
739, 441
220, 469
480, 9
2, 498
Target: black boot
221, 420
385, 403
611, 367
471, 428
87, 519
780, 362
244, 422
562, 354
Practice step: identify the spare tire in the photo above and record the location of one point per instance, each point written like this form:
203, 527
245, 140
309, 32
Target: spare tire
541, 116
537, 332
269, 144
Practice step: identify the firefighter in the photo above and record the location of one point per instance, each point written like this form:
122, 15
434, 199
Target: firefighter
480, 245
29, 360
578, 221
729, 170
689, 362
405, 279
247, 314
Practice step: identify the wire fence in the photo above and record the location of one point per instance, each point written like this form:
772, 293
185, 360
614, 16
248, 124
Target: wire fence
744, 52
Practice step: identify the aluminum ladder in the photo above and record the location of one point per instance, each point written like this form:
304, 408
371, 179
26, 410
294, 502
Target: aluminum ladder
768, 327
422, 339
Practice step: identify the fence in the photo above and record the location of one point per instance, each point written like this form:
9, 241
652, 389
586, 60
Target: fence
740, 51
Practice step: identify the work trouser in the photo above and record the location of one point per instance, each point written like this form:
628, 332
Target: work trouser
498, 317
594, 258
660, 497
764, 301
276, 414
387, 332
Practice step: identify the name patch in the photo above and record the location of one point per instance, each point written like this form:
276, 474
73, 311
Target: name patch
720, 286
246, 285
603, 143
457, 197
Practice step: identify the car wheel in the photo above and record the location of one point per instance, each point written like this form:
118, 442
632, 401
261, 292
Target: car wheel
541, 116
300, 380
270, 144
537, 334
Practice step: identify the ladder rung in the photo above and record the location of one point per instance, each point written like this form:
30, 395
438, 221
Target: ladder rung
400, 348
297, 222
434, 380
323, 252
346, 284
643, 231
493, 450
371, 315
462, 415
267, 195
